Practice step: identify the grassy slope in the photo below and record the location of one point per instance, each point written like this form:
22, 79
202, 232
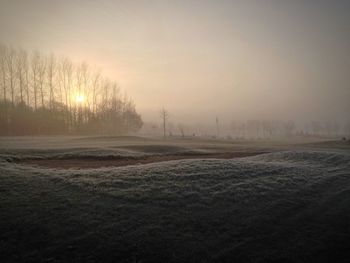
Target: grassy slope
175, 213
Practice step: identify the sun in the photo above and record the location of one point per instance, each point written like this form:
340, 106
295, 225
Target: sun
79, 99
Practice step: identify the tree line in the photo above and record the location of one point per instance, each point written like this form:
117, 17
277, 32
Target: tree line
248, 129
268, 129
46, 94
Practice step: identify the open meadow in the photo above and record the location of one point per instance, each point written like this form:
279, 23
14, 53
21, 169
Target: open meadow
135, 199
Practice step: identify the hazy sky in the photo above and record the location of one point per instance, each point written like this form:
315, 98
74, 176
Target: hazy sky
201, 59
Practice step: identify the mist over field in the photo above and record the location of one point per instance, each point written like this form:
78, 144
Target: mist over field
174, 131
232, 59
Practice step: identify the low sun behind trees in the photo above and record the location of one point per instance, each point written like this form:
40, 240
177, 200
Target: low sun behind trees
43, 94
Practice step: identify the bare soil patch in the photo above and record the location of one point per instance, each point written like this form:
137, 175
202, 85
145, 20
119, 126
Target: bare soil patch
86, 163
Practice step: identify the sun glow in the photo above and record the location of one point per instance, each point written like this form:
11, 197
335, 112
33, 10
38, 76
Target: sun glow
79, 98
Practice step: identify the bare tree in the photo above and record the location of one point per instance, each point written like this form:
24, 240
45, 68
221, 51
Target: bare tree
10, 60
25, 66
3, 55
35, 60
20, 66
68, 72
62, 78
99, 108
51, 69
65, 71
41, 77
95, 86
3, 114
164, 114
86, 89
79, 72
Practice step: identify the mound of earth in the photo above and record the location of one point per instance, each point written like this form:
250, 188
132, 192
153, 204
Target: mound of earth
85, 163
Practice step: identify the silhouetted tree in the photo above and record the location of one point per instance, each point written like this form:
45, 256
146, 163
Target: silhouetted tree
35, 60
10, 61
52, 96
164, 114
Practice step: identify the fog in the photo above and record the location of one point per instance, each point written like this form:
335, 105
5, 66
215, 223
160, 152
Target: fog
174, 131
236, 60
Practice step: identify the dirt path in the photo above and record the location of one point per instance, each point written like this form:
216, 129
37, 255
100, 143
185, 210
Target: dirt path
85, 163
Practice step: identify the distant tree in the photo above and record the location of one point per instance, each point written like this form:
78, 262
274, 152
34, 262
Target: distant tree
289, 127
62, 81
217, 127
182, 129
41, 77
234, 127
50, 95
51, 70
25, 65
35, 60
347, 128
10, 61
20, 70
3, 103
332, 128
164, 114
3, 51
253, 127
267, 128
316, 127
95, 88
242, 129
68, 69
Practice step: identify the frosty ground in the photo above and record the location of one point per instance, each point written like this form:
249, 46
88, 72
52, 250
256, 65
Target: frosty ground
276, 201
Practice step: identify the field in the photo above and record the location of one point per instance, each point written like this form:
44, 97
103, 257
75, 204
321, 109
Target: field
134, 199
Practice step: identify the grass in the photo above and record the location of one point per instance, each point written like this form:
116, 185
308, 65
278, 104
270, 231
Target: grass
289, 206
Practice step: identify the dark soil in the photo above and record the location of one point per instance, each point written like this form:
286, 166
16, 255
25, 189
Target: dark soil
85, 163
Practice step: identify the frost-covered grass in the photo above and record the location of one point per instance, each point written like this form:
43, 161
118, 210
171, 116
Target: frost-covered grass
290, 205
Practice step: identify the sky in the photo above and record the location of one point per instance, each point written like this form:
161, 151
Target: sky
201, 59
